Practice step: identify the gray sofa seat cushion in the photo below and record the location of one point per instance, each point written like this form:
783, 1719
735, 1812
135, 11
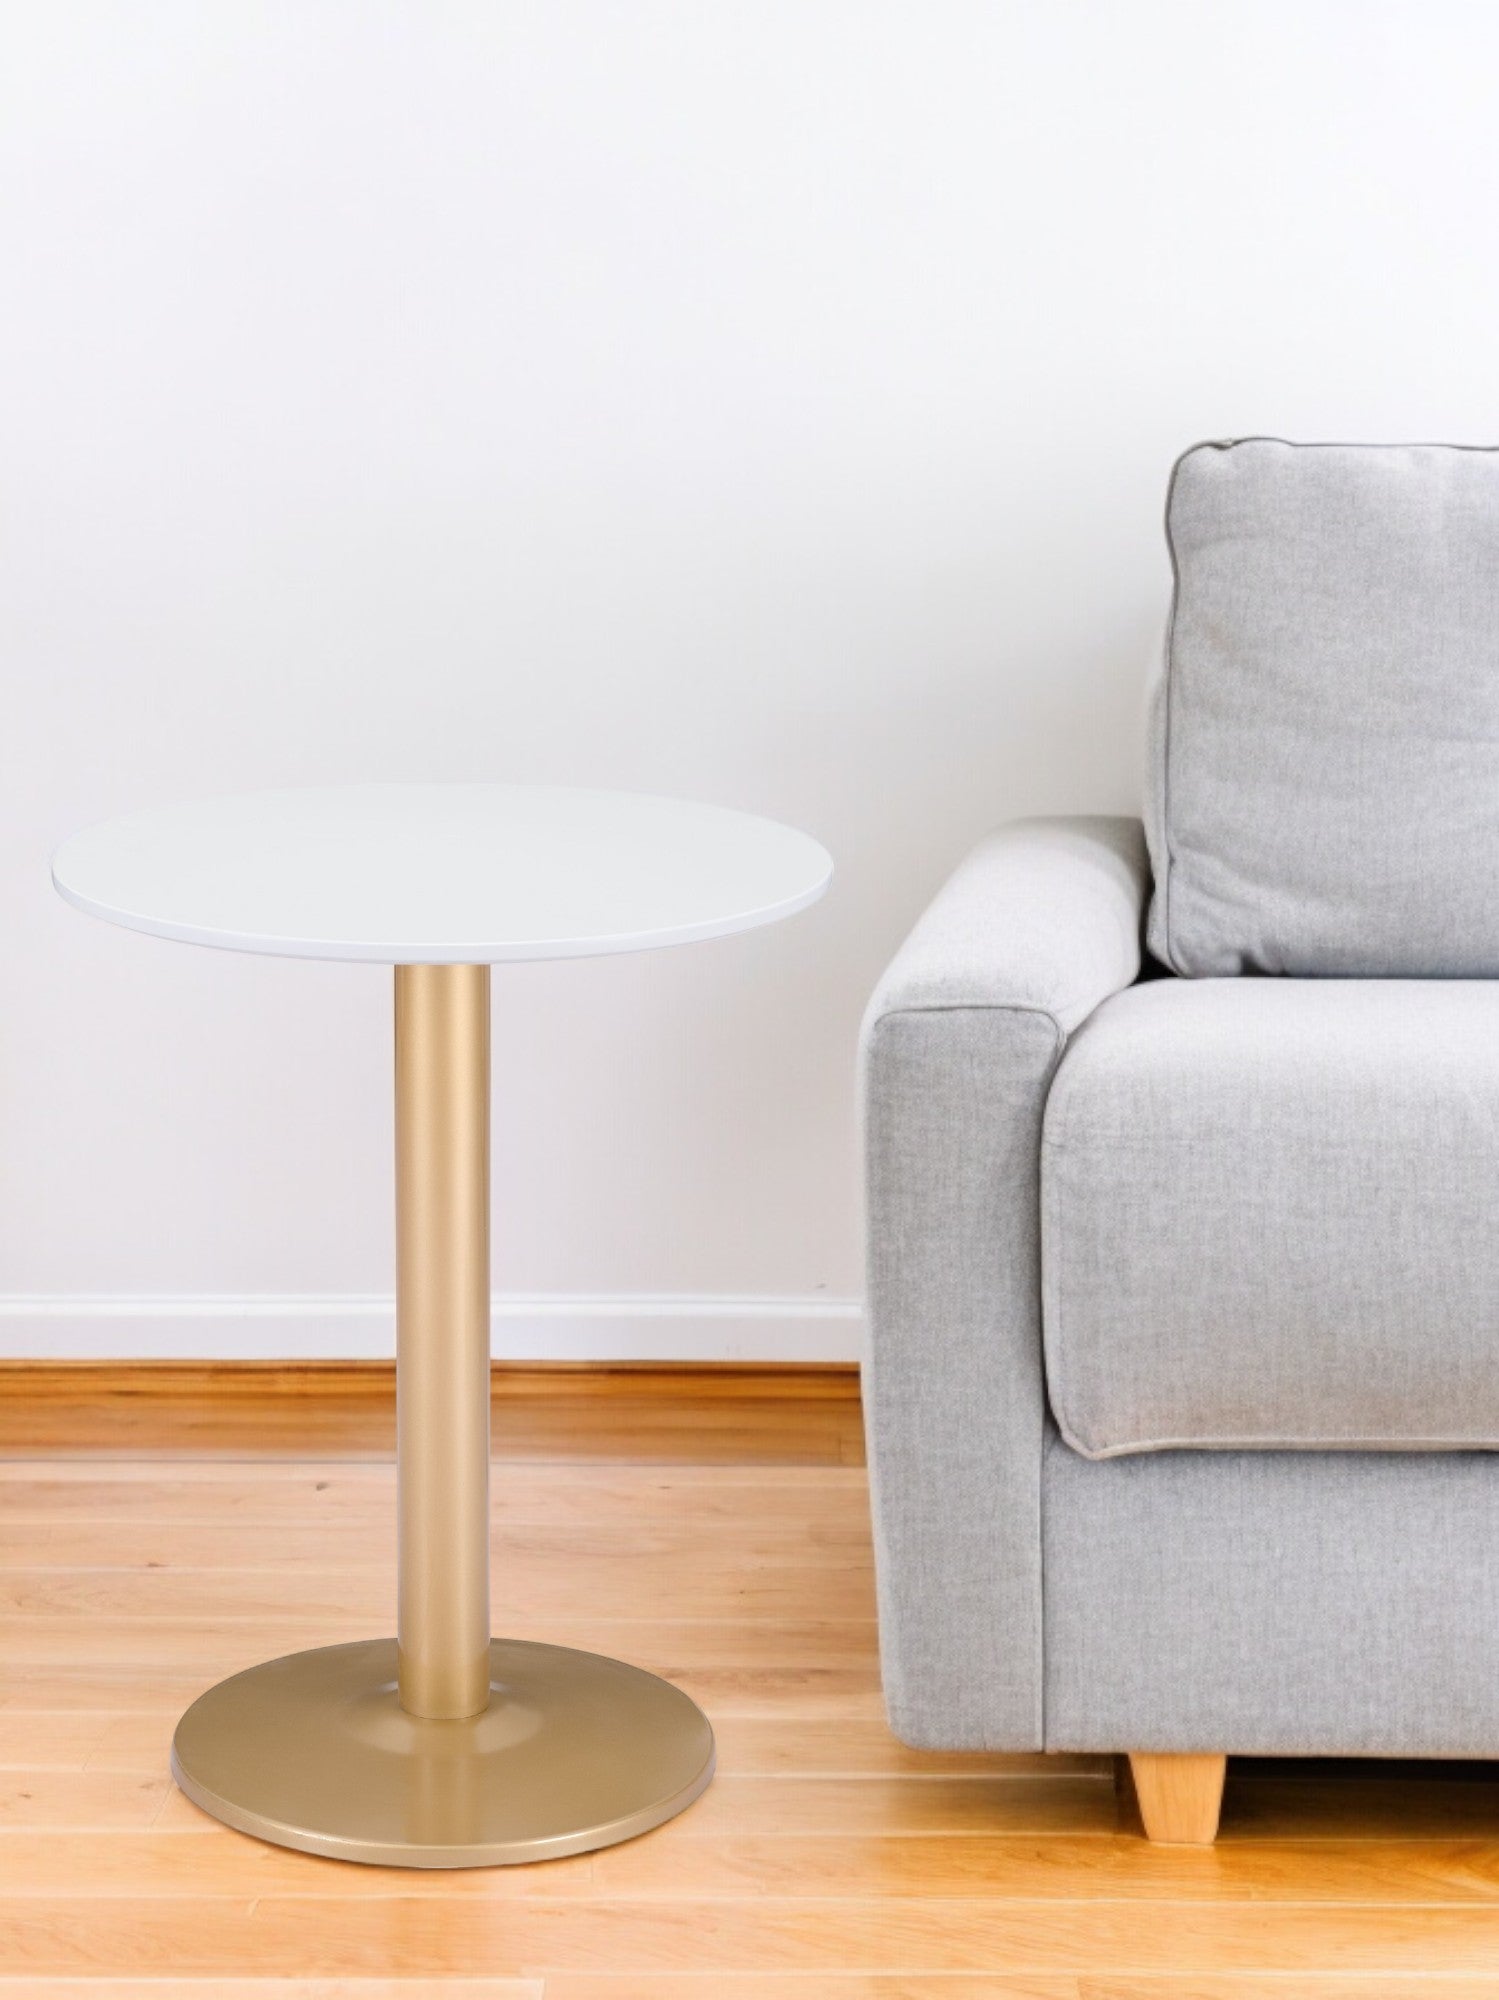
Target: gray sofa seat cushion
1324, 785
1269, 1218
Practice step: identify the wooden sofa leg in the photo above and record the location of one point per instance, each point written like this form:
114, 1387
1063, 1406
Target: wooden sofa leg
1180, 1796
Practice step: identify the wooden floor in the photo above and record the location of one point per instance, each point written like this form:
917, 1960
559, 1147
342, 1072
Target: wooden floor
721, 1537
633, 1414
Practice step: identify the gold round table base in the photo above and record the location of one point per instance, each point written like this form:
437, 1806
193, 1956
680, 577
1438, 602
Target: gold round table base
314, 1751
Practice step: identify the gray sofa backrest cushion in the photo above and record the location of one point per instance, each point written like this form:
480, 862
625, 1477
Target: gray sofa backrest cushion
1324, 785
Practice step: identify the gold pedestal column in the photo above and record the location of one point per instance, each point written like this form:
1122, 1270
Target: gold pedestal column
443, 1748
442, 1336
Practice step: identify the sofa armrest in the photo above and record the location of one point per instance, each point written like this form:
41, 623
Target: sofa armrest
1045, 914
1035, 929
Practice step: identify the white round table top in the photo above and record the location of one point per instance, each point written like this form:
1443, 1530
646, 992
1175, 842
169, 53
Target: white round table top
440, 874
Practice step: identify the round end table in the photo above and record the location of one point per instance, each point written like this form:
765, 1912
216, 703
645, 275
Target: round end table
442, 1747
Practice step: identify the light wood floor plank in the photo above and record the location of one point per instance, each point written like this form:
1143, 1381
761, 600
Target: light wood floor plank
664, 1645
61, 1740
1286, 1986
780, 1986
34, 1683
247, 1493
363, 1936
193, 1856
349, 1603
105, 1800
1022, 1986
627, 1536
164, 1862
247, 1467
1070, 1867
30, 1988
813, 1986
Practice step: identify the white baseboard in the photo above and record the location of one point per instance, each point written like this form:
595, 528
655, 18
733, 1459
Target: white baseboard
271, 1326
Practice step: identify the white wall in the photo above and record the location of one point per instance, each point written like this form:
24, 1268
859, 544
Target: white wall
765, 400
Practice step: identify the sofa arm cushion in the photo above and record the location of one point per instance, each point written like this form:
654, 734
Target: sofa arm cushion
1037, 927
1044, 914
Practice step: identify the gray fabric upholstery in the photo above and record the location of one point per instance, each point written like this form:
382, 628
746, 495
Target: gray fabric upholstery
1261, 1211
1330, 1604
1037, 926
1324, 793
1270, 1217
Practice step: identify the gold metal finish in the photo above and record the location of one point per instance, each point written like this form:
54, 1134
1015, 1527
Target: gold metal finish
443, 1748
315, 1751
442, 1336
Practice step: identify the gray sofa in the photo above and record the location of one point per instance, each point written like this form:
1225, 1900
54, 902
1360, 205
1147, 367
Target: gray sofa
1184, 1264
